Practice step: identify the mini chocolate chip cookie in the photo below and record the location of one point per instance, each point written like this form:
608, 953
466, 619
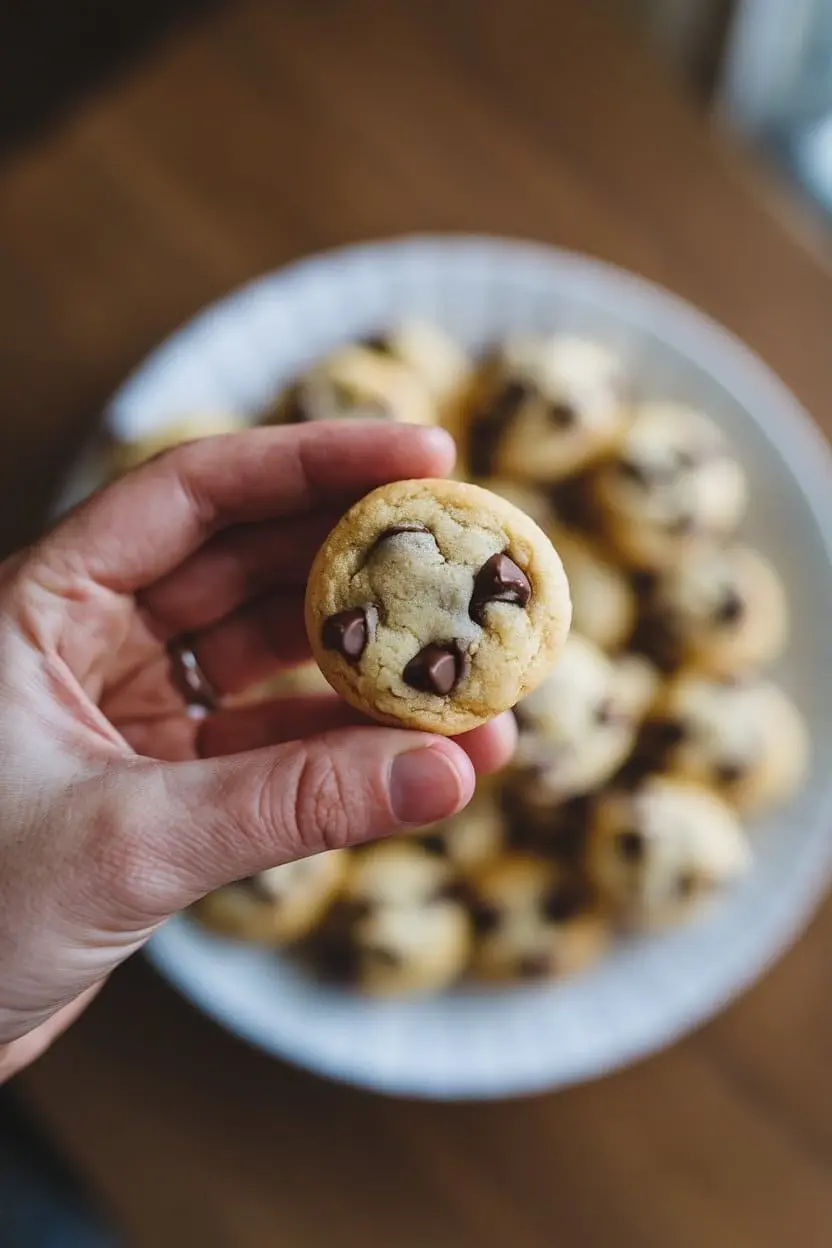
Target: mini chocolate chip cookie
670, 486
722, 609
356, 383
404, 951
471, 838
533, 920
743, 738
579, 725
277, 906
430, 353
435, 604
659, 851
542, 407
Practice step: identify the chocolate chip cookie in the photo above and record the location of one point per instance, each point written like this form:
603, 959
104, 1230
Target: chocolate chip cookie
435, 604
356, 383
670, 486
277, 906
542, 407
533, 920
659, 851
742, 737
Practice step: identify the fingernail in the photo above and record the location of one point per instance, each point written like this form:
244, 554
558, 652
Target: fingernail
426, 785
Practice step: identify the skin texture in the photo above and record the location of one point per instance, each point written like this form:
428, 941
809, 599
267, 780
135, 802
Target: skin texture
419, 588
117, 807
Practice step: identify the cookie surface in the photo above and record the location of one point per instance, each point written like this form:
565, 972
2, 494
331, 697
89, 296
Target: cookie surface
435, 604
533, 920
743, 738
577, 728
670, 485
277, 906
662, 850
541, 407
722, 610
356, 383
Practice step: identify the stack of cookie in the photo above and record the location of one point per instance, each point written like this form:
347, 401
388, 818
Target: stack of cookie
657, 732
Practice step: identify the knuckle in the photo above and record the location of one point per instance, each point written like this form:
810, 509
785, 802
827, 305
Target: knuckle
126, 880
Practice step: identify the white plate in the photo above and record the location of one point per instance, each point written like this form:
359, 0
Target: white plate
493, 1044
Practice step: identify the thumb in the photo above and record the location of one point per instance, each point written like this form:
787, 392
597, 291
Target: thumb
187, 828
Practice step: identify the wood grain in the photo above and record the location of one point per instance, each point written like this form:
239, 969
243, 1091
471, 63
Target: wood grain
259, 133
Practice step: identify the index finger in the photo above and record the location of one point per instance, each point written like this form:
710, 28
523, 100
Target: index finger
133, 532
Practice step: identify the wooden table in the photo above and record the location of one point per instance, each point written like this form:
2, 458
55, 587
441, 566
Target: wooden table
272, 129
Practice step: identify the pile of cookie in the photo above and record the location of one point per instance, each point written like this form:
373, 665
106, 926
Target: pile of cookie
656, 735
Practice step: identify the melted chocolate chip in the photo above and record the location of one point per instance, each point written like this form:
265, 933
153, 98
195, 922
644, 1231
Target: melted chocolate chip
383, 956
685, 884
630, 845
454, 890
435, 669
729, 773
606, 714
681, 525
489, 425
536, 966
636, 473
562, 903
687, 458
730, 609
377, 342
347, 632
396, 529
562, 415
499, 580
486, 918
434, 844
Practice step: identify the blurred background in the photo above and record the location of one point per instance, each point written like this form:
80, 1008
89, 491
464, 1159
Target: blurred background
153, 155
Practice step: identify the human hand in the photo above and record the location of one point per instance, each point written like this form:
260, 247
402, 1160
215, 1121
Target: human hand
118, 806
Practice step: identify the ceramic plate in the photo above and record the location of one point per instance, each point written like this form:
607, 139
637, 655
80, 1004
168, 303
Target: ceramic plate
477, 1043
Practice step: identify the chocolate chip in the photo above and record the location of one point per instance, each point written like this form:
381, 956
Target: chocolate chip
687, 458
486, 918
396, 529
536, 966
562, 903
730, 609
434, 844
376, 342
606, 714
454, 890
562, 415
347, 632
435, 669
338, 962
488, 425
729, 773
630, 845
255, 886
384, 957
633, 472
499, 580
685, 884
681, 525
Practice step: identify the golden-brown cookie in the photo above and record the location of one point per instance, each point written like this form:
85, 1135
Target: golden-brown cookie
435, 604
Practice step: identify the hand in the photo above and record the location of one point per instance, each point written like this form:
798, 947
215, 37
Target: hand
117, 806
